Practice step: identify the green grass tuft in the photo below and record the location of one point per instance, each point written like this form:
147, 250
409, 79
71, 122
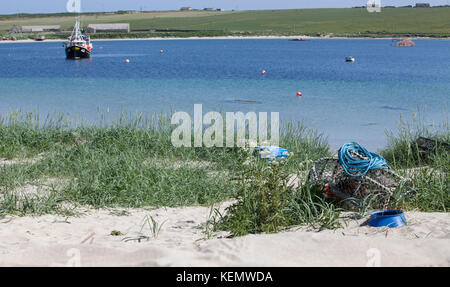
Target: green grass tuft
428, 171
266, 202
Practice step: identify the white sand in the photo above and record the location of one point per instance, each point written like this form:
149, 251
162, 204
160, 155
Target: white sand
56, 241
172, 38
218, 38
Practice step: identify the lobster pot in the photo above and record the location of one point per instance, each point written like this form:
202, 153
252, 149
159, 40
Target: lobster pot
377, 184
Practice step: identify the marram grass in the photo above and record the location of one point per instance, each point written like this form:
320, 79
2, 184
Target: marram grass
428, 171
130, 162
125, 162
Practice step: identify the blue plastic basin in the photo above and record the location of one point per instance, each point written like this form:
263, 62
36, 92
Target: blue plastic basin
390, 218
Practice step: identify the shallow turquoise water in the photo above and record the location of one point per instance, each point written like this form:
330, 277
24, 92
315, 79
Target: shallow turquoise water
345, 101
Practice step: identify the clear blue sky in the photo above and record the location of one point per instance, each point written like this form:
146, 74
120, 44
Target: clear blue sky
51, 6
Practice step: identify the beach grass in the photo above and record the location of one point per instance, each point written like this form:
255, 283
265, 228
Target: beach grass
55, 165
128, 162
427, 170
267, 201
402, 150
108, 166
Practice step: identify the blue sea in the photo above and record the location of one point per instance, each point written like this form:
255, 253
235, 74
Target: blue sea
345, 101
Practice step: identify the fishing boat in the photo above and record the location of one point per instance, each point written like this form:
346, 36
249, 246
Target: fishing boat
349, 59
299, 40
79, 45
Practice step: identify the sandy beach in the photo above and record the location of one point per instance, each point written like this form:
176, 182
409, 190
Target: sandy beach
127, 141
87, 241
176, 38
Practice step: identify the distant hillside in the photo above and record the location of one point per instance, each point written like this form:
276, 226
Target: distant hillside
347, 22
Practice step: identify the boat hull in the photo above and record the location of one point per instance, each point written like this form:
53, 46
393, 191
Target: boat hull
77, 52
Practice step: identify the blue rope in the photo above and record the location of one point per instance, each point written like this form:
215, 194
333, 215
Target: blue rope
359, 167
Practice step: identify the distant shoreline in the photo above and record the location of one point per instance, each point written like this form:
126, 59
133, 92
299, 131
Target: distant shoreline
225, 38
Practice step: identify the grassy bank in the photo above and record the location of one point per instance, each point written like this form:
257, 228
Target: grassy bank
268, 201
210, 34
428, 170
128, 163
54, 165
345, 22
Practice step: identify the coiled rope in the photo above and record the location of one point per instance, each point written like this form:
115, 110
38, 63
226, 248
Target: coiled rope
357, 161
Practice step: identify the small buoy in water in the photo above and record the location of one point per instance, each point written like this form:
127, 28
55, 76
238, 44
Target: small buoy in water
161, 51
349, 59
299, 94
127, 61
263, 72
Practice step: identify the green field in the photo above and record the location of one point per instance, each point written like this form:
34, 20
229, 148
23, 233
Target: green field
433, 22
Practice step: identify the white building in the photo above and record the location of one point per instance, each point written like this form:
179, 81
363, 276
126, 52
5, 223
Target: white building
109, 28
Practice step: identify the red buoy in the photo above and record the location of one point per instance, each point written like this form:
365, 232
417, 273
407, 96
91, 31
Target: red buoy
299, 94
161, 51
263, 72
127, 61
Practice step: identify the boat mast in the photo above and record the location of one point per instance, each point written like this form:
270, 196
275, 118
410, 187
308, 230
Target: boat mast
76, 33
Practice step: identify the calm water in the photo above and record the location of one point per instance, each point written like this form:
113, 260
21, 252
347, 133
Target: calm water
346, 101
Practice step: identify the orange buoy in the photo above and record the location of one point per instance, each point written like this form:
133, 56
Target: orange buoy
299, 94
263, 72
127, 61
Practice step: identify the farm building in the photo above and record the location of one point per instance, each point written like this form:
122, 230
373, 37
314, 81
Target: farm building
208, 9
14, 29
106, 28
422, 5
48, 28
186, 8
127, 12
